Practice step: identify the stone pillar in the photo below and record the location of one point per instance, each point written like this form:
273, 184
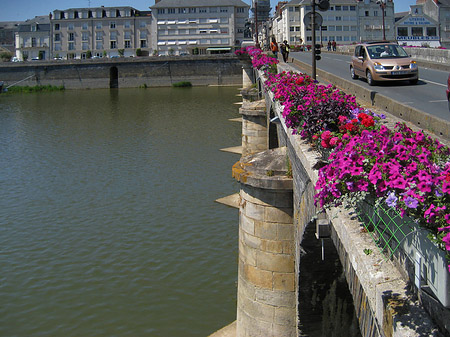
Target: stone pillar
255, 136
247, 75
266, 303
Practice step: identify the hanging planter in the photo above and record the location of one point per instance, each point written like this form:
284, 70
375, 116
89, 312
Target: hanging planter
406, 242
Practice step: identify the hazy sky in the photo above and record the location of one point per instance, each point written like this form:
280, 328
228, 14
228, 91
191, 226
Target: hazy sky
20, 10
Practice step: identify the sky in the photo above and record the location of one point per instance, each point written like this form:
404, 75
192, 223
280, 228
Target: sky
21, 10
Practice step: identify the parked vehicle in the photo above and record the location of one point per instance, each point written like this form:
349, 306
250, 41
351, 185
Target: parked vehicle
383, 61
448, 92
15, 59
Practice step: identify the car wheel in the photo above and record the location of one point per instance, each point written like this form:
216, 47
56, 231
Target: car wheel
414, 81
352, 73
369, 78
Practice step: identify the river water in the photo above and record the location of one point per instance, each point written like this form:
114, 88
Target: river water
108, 225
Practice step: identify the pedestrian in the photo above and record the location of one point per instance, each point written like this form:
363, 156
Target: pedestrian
329, 46
274, 47
285, 50
334, 45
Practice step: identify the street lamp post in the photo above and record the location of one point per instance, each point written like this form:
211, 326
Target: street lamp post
382, 4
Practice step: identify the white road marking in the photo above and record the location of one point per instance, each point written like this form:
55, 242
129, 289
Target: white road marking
438, 101
427, 81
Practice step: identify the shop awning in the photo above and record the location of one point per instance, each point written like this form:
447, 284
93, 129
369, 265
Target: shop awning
218, 48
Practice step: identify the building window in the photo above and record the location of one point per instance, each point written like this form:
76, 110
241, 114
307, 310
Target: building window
375, 13
297, 29
127, 24
112, 24
127, 35
353, 8
431, 31
85, 45
202, 10
84, 36
71, 46
70, 26
113, 44
171, 10
98, 36
337, 8
338, 38
402, 31
203, 31
142, 24
182, 10
291, 9
345, 8
240, 10
366, 13
113, 36
33, 42
223, 10
57, 46
57, 37
71, 37
291, 29
143, 43
161, 11
339, 28
85, 26
223, 30
192, 10
346, 28
98, 25
127, 44
338, 18
417, 31
56, 26
213, 9
98, 45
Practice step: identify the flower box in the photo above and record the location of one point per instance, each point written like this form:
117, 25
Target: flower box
402, 239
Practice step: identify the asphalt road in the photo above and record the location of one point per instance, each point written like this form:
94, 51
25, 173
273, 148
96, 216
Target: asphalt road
427, 95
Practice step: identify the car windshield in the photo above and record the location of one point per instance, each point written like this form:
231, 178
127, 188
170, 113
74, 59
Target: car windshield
386, 51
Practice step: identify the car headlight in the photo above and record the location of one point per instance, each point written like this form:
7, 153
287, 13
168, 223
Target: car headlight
413, 65
378, 66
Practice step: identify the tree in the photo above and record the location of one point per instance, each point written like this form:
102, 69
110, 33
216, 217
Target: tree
138, 52
121, 52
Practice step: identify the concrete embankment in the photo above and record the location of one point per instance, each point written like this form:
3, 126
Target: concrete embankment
126, 72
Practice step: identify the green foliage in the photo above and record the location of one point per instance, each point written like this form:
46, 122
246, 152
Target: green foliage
121, 52
88, 54
183, 84
6, 57
36, 88
195, 51
171, 51
139, 52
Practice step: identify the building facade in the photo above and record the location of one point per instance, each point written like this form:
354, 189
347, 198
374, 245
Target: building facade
438, 11
79, 33
197, 26
346, 22
32, 39
417, 29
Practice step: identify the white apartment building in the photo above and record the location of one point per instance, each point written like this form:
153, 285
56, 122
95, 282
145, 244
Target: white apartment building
346, 22
197, 26
370, 20
78, 33
32, 39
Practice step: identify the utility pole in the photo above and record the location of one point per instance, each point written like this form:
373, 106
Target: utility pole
313, 37
256, 21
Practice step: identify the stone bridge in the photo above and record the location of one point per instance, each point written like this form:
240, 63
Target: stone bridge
301, 275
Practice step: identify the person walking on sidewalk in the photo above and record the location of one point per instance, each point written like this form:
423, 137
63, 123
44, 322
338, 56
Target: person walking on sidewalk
274, 47
285, 50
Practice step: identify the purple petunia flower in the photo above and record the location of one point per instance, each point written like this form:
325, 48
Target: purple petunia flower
411, 202
391, 200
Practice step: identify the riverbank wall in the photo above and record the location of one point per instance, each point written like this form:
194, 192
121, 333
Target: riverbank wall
126, 72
